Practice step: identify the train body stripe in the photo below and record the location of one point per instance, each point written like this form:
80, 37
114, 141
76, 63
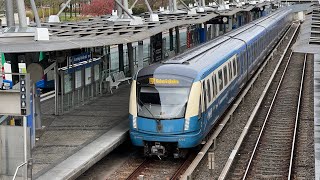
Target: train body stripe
194, 99
133, 99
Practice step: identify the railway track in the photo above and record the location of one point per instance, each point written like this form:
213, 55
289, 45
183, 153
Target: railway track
268, 149
161, 169
304, 164
273, 152
239, 115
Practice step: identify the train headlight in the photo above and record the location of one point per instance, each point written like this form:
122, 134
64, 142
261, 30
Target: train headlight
187, 124
134, 122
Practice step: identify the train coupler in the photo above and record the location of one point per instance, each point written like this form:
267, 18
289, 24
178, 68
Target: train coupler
156, 149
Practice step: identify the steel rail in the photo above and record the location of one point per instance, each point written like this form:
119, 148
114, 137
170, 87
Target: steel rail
297, 118
230, 160
136, 172
266, 119
188, 173
183, 166
175, 175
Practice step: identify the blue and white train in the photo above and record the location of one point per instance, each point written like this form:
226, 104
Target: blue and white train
174, 104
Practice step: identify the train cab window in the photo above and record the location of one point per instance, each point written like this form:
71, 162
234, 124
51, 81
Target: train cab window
220, 80
225, 75
208, 91
234, 67
230, 70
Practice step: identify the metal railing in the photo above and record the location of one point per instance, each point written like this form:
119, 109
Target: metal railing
18, 167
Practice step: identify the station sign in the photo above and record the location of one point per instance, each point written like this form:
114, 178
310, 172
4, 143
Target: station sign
81, 57
76, 62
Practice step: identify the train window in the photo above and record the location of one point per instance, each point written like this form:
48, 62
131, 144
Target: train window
234, 67
220, 80
243, 64
225, 75
208, 91
230, 70
255, 49
214, 85
204, 94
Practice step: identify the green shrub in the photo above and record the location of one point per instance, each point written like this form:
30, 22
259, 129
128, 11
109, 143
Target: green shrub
30, 15
138, 10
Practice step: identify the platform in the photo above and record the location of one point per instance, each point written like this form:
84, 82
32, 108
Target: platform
317, 115
73, 142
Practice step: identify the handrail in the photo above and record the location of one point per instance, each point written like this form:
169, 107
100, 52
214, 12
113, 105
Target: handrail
17, 169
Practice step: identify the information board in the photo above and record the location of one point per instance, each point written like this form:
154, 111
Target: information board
78, 79
96, 72
87, 76
67, 83
156, 41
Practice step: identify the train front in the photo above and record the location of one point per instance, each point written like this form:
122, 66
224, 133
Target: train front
164, 113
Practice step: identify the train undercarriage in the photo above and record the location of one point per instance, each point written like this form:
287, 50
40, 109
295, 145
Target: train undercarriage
163, 149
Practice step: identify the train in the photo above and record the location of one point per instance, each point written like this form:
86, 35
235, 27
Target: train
174, 104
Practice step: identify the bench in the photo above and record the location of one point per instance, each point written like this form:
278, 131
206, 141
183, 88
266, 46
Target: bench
112, 83
120, 77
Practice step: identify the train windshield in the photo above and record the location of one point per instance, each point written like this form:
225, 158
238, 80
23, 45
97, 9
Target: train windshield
162, 98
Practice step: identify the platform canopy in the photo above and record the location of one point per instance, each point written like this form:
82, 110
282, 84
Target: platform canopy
101, 32
309, 37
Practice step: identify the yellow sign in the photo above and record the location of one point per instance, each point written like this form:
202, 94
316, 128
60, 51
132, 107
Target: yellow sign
163, 81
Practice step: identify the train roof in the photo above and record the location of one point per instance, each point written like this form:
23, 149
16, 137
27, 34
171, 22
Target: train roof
197, 65
195, 62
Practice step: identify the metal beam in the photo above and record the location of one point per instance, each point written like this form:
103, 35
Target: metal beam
148, 6
35, 12
177, 40
9, 13
134, 3
125, 5
64, 7
124, 9
121, 59
184, 4
130, 58
22, 13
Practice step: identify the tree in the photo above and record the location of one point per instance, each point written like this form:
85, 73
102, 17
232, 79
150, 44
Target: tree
97, 7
